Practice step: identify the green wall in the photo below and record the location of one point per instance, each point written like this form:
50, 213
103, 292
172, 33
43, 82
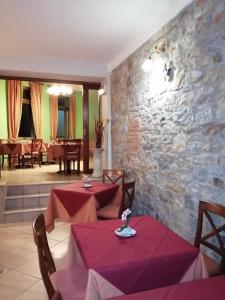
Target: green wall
79, 114
93, 112
3, 107
45, 112
26, 83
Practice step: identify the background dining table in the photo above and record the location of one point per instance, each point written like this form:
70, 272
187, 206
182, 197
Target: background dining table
74, 203
11, 149
153, 258
207, 289
20, 149
56, 150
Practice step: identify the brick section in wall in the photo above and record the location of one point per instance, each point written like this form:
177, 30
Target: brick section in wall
133, 139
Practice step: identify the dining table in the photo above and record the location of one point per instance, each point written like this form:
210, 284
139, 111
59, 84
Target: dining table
207, 289
75, 203
55, 151
152, 258
20, 149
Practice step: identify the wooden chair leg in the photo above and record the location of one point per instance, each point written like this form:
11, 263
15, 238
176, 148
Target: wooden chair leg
9, 161
60, 164
78, 166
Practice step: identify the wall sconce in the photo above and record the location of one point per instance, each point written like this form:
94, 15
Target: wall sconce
169, 71
102, 90
159, 67
157, 57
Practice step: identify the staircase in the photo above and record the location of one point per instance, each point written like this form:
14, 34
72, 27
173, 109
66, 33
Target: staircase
25, 202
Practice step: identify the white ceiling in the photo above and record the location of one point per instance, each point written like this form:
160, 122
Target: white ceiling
77, 37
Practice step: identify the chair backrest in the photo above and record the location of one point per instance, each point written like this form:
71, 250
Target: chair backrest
71, 141
114, 176
72, 151
46, 262
59, 141
55, 141
208, 211
36, 145
13, 141
128, 191
56, 296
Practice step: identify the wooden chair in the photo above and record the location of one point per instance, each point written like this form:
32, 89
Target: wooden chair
207, 212
114, 176
46, 262
36, 146
35, 153
57, 296
57, 141
71, 283
113, 211
72, 155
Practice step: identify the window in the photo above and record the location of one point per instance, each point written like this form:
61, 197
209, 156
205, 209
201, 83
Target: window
26, 123
63, 108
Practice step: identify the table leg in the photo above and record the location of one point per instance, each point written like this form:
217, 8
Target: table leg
9, 161
78, 166
68, 169
1, 268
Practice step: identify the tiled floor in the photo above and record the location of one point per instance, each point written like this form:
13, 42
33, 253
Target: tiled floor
21, 278
47, 173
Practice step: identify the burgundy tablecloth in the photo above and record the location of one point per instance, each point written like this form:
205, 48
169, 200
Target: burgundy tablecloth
73, 196
13, 148
155, 257
54, 151
18, 148
205, 289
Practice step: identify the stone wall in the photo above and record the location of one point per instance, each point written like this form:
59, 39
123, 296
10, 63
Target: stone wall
172, 138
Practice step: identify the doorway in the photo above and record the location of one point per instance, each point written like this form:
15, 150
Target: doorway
87, 110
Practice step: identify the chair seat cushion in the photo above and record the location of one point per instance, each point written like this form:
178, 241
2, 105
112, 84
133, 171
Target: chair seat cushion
34, 153
212, 266
71, 282
109, 211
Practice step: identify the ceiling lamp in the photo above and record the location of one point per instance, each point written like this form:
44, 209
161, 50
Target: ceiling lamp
58, 90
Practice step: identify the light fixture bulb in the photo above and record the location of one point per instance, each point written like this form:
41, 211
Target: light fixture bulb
147, 65
57, 90
101, 92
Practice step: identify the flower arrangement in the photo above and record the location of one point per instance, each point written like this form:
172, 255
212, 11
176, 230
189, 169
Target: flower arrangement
126, 216
99, 133
86, 181
125, 230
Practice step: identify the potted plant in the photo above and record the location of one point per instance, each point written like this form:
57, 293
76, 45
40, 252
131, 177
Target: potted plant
97, 152
98, 133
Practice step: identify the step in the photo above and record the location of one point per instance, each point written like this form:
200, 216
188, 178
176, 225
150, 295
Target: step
28, 189
27, 196
25, 201
22, 215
